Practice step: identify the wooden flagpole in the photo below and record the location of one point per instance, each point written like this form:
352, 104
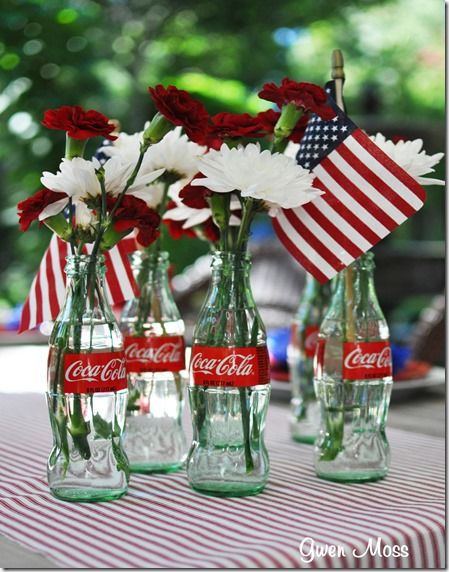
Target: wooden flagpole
338, 75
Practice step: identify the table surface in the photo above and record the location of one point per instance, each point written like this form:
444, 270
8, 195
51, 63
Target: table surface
416, 429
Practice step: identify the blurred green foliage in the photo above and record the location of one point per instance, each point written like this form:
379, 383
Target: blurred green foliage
103, 55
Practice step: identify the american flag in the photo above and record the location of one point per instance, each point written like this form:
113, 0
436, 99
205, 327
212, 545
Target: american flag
366, 196
47, 291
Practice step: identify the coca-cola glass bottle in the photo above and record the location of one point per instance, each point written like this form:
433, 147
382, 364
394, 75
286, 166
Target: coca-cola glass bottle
305, 410
230, 390
155, 354
353, 380
87, 391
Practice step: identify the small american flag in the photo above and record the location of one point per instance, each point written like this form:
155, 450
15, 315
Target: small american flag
47, 291
366, 196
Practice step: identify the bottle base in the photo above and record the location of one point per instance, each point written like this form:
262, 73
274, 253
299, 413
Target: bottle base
145, 468
223, 490
86, 495
353, 477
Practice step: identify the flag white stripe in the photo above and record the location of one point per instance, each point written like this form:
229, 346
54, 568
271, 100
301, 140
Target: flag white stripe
366, 188
383, 173
314, 257
344, 197
322, 235
33, 305
59, 277
117, 263
109, 295
336, 219
46, 311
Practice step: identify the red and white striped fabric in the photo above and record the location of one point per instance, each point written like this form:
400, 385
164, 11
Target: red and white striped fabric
161, 523
366, 196
48, 288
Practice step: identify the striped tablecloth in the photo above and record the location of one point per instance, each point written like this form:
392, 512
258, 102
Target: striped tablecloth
161, 523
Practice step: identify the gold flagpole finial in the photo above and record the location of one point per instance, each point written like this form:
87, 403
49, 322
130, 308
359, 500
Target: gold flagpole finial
338, 75
338, 71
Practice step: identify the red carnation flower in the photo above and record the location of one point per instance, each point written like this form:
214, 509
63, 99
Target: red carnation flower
307, 96
269, 118
30, 209
135, 213
175, 226
179, 107
195, 197
235, 125
78, 123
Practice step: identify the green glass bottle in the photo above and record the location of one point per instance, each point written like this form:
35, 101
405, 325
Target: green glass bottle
305, 413
229, 390
353, 380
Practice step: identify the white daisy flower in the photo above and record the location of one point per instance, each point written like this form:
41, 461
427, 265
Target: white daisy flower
126, 146
76, 177
271, 177
117, 172
175, 153
151, 194
191, 217
411, 157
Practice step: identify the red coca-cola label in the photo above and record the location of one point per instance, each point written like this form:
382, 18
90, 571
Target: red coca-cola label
318, 361
95, 373
366, 360
229, 367
310, 340
155, 353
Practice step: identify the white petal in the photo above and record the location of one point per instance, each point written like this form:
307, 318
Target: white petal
199, 217
53, 209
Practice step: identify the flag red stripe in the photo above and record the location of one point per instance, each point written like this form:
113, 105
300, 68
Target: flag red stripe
331, 229
25, 317
55, 262
357, 194
296, 253
389, 193
112, 280
345, 213
314, 242
411, 183
51, 282
39, 307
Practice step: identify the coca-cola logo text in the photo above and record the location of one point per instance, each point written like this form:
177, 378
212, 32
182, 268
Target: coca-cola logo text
155, 353
166, 353
95, 372
113, 370
233, 364
229, 367
357, 358
366, 360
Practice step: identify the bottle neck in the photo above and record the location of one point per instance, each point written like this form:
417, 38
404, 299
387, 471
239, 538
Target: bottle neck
231, 274
230, 288
356, 282
150, 269
85, 296
355, 302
